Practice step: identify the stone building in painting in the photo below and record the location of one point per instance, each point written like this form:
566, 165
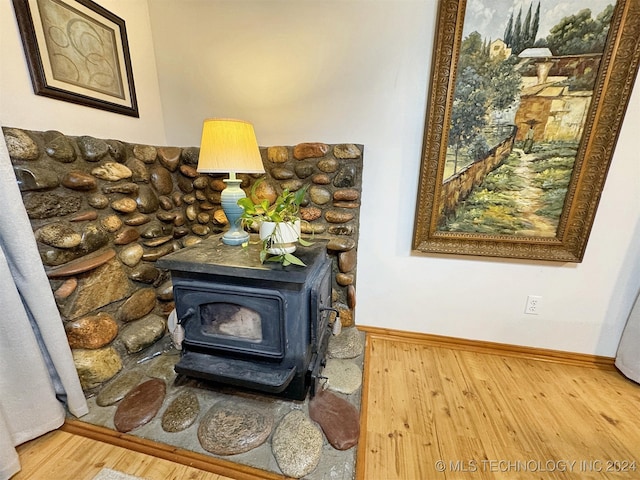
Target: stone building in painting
551, 107
499, 49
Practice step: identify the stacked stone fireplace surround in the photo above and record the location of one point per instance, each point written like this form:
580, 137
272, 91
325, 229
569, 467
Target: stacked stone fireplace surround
103, 211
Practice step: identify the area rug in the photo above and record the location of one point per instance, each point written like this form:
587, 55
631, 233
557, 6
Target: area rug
108, 474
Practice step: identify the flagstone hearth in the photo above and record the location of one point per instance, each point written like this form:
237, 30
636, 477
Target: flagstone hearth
312, 439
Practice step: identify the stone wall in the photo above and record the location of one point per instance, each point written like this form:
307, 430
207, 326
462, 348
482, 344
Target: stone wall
458, 187
103, 211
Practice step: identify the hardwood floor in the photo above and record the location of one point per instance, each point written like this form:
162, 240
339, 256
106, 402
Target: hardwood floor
61, 455
437, 412
433, 409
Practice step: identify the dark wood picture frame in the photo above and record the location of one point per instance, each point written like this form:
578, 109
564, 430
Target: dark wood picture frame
613, 85
78, 52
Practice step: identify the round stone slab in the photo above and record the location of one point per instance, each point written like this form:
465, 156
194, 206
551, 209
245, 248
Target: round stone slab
343, 376
181, 413
297, 445
163, 367
140, 405
349, 344
229, 428
116, 389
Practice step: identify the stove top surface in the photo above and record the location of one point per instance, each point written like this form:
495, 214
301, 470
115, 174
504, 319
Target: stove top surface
211, 256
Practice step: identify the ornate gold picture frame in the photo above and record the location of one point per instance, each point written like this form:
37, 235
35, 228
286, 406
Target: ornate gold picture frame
521, 126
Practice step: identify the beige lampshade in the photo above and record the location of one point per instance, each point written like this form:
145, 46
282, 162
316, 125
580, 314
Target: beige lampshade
229, 146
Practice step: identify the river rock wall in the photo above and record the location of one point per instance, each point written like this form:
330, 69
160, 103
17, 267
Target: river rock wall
103, 211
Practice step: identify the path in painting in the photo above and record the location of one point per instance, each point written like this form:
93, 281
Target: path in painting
528, 201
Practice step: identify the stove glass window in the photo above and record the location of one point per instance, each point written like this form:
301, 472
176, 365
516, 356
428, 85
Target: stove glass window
231, 320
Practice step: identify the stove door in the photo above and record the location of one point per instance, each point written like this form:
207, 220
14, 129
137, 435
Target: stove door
238, 320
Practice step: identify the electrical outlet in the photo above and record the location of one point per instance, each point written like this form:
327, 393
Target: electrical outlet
534, 304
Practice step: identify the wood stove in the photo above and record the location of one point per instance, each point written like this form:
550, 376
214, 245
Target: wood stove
258, 326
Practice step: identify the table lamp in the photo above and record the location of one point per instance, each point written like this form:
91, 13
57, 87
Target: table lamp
230, 146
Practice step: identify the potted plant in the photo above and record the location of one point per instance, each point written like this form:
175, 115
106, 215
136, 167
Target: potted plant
278, 224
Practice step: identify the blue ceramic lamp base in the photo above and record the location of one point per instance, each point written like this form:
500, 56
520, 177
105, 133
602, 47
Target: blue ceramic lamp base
229, 201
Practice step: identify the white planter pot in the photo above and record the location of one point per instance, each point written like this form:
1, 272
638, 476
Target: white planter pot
283, 236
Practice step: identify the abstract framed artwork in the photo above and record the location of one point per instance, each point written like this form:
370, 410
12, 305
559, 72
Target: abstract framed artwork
526, 102
78, 52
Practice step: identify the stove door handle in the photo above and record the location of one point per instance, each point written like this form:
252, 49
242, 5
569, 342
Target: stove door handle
334, 310
336, 326
187, 315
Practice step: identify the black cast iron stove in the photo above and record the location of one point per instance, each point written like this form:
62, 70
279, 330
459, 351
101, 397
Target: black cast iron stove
258, 326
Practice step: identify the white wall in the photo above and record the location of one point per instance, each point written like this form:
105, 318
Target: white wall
20, 107
357, 71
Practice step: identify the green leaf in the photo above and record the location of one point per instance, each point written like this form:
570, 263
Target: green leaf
292, 259
304, 242
247, 205
300, 196
255, 186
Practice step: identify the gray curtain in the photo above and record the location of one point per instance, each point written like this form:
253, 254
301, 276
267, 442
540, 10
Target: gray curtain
37, 374
628, 356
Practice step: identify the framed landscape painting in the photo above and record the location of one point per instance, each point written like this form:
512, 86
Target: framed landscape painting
526, 101
78, 52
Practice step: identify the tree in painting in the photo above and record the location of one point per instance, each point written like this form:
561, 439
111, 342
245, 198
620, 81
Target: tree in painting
580, 33
517, 119
521, 35
468, 115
